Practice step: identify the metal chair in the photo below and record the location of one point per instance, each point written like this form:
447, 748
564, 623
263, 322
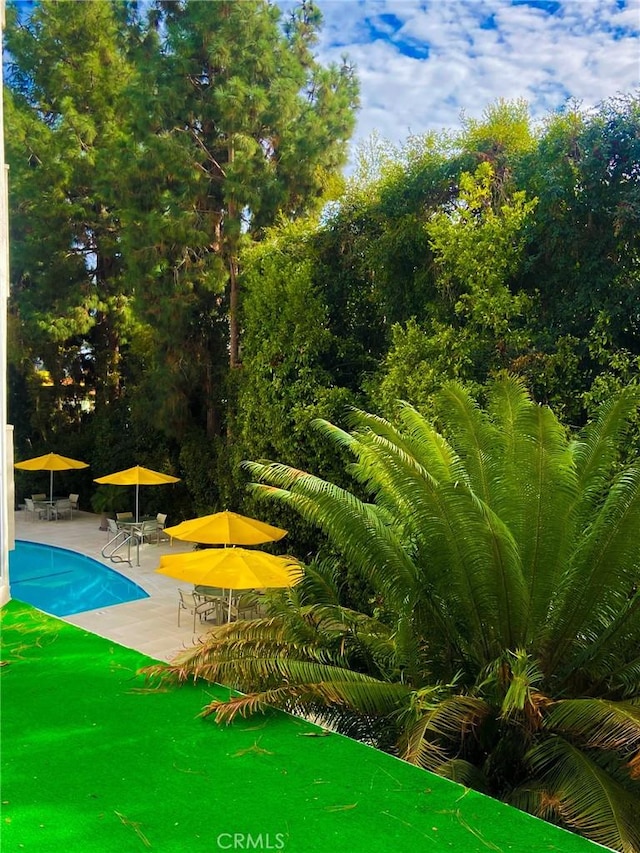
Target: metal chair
188, 602
243, 607
147, 531
30, 506
161, 520
61, 507
123, 516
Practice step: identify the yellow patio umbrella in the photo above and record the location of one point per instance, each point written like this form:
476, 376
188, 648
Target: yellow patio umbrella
232, 568
225, 528
137, 476
50, 462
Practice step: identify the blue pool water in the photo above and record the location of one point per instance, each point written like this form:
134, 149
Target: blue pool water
62, 582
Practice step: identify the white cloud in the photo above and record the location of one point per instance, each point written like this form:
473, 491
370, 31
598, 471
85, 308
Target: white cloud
476, 51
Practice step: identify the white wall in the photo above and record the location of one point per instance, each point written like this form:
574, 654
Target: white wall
6, 431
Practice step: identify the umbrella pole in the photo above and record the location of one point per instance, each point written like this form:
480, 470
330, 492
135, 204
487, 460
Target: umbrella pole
229, 613
137, 495
51, 487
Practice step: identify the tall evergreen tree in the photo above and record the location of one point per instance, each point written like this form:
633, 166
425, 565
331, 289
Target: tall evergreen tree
243, 124
68, 69
144, 153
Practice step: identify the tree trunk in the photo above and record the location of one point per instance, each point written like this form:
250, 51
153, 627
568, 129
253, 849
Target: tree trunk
212, 418
232, 244
234, 335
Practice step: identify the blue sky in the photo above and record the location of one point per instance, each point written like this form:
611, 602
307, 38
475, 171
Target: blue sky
421, 63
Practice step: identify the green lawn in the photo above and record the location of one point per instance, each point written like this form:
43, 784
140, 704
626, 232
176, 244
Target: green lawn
92, 760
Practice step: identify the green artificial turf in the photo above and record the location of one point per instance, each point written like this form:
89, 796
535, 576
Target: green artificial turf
93, 760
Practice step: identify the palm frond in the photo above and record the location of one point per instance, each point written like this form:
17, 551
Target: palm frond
537, 504
247, 705
604, 568
464, 773
435, 725
628, 676
429, 447
526, 468
462, 545
470, 551
418, 748
598, 723
504, 569
523, 466
321, 582
472, 434
598, 449
338, 436
246, 654
522, 698
507, 398
484, 571
355, 528
383, 466
371, 698
536, 799
608, 654
367, 543
419, 440
587, 799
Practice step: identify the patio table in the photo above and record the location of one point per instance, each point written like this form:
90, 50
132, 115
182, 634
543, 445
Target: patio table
209, 591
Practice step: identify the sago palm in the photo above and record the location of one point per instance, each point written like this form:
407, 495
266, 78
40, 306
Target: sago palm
502, 646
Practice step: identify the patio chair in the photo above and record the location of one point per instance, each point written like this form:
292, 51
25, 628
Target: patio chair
41, 497
147, 531
213, 596
62, 507
75, 502
244, 607
161, 520
124, 516
188, 602
36, 512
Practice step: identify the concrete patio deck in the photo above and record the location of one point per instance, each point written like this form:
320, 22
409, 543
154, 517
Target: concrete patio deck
149, 625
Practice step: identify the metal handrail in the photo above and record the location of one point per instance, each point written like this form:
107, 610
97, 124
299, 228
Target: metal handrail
125, 539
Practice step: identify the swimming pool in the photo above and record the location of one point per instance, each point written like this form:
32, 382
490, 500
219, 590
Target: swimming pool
62, 582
